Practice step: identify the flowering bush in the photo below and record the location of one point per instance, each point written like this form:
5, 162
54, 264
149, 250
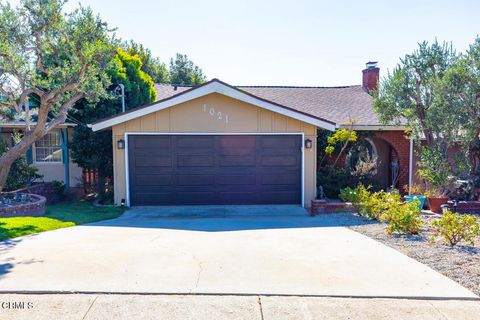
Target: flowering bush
454, 228
403, 217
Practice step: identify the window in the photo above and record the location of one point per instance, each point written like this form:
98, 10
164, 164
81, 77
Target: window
48, 148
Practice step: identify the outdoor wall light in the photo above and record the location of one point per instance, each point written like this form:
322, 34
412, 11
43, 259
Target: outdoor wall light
308, 144
120, 144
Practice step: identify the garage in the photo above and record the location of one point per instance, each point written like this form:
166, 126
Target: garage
183, 169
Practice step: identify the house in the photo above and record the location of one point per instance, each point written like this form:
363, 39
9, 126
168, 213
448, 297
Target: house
223, 144
50, 155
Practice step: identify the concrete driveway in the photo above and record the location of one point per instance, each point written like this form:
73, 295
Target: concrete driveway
157, 250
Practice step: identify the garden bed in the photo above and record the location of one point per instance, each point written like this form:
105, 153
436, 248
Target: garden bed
25, 204
460, 263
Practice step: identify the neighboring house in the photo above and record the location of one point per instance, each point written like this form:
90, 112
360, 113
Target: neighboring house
50, 154
223, 144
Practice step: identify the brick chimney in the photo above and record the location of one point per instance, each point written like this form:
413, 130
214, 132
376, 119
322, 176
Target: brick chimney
371, 75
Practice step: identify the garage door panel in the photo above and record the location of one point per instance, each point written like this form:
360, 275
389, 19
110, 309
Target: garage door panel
237, 161
152, 161
284, 161
153, 142
154, 180
280, 179
195, 180
276, 142
195, 141
225, 180
195, 161
215, 169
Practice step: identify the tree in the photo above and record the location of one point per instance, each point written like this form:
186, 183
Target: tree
184, 72
58, 58
150, 65
94, 150
461, 92
412, 93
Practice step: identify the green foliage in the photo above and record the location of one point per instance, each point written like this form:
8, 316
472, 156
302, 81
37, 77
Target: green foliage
59, 188
152, 66
404, 218
454, 228
370, 204
435, 169
21, 173
94, 150
51, 56
385, 206
340, 136
333, 180
184, 72
357, 195
410, 92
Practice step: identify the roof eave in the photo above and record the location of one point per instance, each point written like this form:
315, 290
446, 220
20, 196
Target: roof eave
213, 86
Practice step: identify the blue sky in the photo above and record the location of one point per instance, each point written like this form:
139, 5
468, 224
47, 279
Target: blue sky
323, 43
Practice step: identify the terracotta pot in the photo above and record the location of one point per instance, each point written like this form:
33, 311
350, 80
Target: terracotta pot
436, 202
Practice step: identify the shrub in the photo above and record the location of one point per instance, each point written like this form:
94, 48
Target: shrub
368, 204
403, 217
379, 202
455, 228
333, 180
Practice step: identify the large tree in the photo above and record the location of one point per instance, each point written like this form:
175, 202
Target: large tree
411, 93
184, 72
94, 150
461, 92
58, 58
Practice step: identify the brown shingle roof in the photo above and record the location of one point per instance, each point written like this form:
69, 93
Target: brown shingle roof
337, 104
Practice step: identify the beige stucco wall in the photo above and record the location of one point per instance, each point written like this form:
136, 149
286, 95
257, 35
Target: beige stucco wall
214, 113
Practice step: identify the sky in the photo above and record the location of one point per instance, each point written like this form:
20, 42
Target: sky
296, 42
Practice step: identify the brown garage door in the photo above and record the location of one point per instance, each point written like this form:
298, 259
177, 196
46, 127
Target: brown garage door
214, 169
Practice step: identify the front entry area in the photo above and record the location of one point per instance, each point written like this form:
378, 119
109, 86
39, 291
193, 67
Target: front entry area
216, 169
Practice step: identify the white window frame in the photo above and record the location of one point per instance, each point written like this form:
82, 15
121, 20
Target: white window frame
34, 152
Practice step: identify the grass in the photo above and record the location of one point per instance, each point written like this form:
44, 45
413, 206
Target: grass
58, 216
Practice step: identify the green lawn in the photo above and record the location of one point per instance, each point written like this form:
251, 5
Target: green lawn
60, 215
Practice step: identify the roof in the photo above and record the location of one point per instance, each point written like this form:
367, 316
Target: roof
325, 107
340, 105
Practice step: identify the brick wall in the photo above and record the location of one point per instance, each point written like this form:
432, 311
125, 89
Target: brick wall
36, 208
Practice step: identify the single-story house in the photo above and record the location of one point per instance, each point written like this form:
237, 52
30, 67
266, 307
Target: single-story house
50, 155
221, 144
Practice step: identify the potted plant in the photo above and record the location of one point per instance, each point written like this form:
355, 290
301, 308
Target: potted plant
435, 170
415, 191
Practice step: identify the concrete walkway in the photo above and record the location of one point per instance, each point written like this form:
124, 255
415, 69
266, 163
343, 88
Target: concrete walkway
264, 255
98, 307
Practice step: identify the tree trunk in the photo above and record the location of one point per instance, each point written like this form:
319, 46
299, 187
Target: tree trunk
9, 157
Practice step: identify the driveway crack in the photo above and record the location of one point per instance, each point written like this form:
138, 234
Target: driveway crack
90, 307
200, 270
261, 308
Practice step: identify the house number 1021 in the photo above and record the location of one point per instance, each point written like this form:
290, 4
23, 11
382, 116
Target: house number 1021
218, 115
215, 114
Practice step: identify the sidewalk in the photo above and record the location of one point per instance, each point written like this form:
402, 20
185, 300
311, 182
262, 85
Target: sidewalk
172, 307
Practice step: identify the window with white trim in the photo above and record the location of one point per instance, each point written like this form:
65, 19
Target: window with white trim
49, 148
